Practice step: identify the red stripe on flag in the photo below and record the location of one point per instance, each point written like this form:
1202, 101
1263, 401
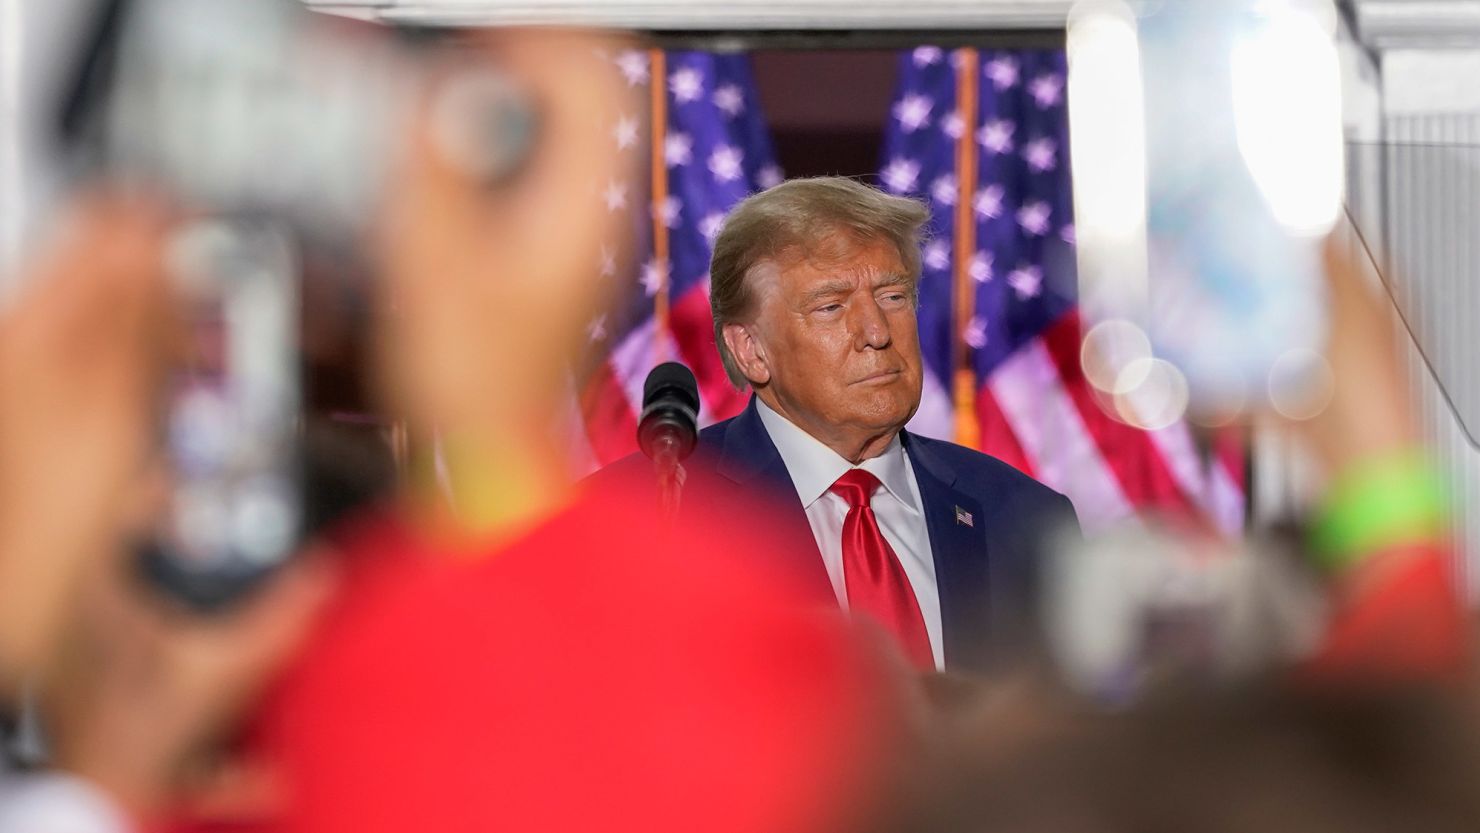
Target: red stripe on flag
610, 424
1230, 447
1135, 460
996, 434
692, 327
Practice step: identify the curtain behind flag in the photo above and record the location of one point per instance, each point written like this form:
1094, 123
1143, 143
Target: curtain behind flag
1003, 243
709, 149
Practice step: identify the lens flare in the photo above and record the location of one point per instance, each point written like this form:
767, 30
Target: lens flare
1287, 112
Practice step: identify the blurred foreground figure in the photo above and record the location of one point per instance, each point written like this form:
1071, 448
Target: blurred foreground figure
1372, 727
533, 657
1259, 759
814, 286
529, 657
81, 354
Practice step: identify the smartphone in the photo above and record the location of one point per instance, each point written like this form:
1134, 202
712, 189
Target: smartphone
1208, 154
230, 422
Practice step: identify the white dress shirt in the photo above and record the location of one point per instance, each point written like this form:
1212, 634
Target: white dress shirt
814, 468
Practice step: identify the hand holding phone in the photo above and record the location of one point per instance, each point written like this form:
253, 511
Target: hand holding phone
1208, 161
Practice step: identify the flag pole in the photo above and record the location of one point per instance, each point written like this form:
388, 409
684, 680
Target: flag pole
967, 427
658, 134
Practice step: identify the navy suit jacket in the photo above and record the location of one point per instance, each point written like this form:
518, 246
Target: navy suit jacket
989, 525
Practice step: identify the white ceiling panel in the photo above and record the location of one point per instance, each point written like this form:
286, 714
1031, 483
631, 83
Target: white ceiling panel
717, 14
1418, 24
1381, 24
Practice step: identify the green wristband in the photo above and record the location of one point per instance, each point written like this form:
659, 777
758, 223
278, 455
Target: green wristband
1376, 504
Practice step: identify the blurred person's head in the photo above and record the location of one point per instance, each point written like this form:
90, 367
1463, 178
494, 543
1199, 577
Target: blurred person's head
813, 288
1267, 760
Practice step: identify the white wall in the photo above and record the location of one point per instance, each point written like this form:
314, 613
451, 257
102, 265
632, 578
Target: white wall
1432, 135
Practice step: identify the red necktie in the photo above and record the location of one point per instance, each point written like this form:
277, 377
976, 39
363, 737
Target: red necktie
872, 574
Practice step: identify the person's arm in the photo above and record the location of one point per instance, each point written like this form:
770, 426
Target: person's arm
1381, 535
1381, 532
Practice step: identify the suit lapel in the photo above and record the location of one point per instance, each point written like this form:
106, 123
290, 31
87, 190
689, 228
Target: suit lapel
956, 525
954, 521
749, 458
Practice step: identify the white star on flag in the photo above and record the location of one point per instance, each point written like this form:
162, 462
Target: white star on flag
937, 254
980, 269
597, 330
608, 263
1046, 90
669, 210
1066, 234
1042, 154
900, 175
654, 276
625, 132
710, 226
913, 112
953, 125
678, 149
943, 189
1026, 281
996, 136
729, 99
1033, 217
925, 56
1003, 72
769, 177
725, 163
634, 67
976, 333
615, 196
988, 202
686, 85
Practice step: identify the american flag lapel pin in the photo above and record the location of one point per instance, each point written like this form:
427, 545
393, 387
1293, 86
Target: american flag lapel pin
964, 518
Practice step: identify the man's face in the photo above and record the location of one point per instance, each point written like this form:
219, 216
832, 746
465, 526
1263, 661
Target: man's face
838, 336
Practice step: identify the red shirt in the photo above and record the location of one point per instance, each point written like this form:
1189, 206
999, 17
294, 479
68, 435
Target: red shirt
590, 676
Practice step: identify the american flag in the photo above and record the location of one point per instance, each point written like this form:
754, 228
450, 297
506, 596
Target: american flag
715, 149
1021, 339
1032, 406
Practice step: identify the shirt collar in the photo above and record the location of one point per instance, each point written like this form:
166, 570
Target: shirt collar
814, 467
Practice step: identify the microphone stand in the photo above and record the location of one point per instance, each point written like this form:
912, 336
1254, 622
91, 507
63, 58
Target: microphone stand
668, 431
671, 476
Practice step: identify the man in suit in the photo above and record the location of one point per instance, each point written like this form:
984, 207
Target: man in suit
813, 291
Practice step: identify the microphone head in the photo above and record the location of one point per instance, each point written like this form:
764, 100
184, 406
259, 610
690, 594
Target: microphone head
674, 377
669, 426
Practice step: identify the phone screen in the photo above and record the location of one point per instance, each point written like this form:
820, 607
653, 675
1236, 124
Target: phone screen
235, 505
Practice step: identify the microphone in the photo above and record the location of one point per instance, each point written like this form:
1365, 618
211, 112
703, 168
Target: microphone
669, 427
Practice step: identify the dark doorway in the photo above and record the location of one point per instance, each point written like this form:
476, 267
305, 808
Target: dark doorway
827, 108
